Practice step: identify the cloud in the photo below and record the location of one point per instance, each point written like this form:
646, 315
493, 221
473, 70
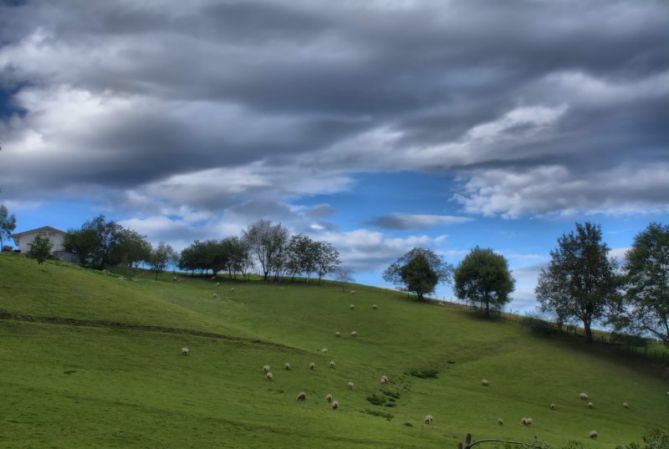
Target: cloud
417, 221
536, 107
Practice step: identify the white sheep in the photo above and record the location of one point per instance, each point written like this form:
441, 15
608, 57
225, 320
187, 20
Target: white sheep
591, 405
593, 434
583, 396
269, 376
232, 289
384, 379
484, 382
500, 421
352, 307
328, 397
185, 351
354, 333
312, 365
333, 365
553, 406
337, 334
353, 292
526, 421
301, 396
335, 405
287, 366
350, 385
626, 405
374, 306
174, 278
266, 368
428, 419
218, 284
324, 350
214, 295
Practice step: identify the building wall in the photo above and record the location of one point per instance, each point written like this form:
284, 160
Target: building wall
56, 239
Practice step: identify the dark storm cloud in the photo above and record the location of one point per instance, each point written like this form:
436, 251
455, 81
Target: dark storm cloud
507, 96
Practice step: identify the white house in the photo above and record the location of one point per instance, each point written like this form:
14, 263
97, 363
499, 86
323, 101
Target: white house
56, 236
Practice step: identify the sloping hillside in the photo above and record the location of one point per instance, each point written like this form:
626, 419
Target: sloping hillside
93, 360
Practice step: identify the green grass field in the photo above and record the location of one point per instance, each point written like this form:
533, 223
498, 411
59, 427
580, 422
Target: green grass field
92, 360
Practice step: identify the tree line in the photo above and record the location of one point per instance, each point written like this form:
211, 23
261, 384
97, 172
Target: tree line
102, 243
581, 283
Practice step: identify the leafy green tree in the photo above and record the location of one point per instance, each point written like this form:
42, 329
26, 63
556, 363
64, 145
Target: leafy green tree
326, 259
7, 225
40, 249
94, 244
580, 281
268, 242
483, 278
419, 271
160, 257
646, 301
129, 249
83, 243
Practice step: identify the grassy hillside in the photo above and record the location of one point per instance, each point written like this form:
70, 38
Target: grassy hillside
93, 360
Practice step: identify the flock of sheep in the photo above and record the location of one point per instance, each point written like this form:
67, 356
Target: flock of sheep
428, 419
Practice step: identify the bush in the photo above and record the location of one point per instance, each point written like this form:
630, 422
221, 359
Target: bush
429, 373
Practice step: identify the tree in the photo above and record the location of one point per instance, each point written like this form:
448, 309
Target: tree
646, 301
483, 277
94, 244
343, 276
268, 242
40, 249
130, 248
7, 225
327, 259
580, 281
419, 270
160, 257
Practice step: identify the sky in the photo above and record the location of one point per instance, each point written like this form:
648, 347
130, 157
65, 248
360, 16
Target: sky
377, 126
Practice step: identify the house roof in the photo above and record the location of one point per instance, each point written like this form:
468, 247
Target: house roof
41, 229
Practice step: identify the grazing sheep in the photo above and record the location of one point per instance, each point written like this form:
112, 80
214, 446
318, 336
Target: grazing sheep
374, 306
328, 397
266, 368
500, 421
352, 307
583, 396
287, 366
350, 385
428, 419
591, 405
214, 295
218, 284
185, 351
626, 405
337, 334
384, 379
333, 364
324, 350
232, 289
301, 396
312, 365
335, 405
269, 376
174, 278
553, 407
593, 434
354, 333
484, 382
526, 421
352, 292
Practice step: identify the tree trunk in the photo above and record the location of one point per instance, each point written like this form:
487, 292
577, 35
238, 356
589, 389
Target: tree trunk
487, 309
588, 331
